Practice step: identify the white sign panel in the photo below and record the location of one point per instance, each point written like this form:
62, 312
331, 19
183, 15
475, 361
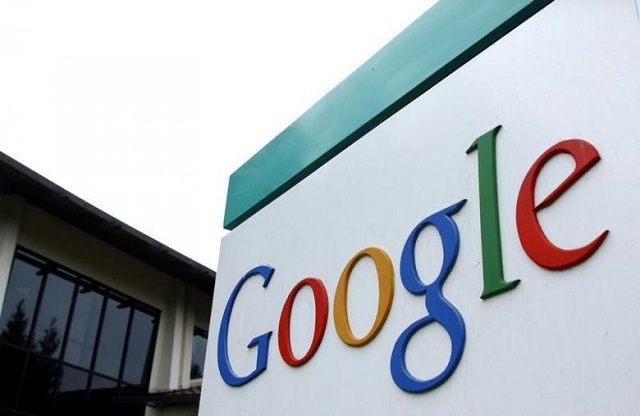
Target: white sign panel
386, 282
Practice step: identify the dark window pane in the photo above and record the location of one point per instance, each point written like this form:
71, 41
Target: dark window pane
198, 351
111, 344
12, 361
104, 401
39, 385
138, 349
72, 392
40, 382
73, 379
52, 316
132, 409
103, 390
102, 384
84, 325
19, 303
127, 390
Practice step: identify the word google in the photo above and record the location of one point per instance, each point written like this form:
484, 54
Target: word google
439, 310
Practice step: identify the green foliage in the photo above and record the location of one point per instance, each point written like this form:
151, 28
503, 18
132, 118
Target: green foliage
15, 332
50, 340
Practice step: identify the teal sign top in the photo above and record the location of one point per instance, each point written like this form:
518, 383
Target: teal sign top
440, 41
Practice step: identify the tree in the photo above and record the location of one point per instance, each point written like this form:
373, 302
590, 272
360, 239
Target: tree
50, 340
16, 330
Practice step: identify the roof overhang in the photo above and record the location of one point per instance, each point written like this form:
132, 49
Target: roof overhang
17, 179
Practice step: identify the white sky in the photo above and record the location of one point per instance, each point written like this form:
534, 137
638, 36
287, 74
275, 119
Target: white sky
144, 108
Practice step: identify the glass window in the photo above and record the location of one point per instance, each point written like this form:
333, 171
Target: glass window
72, 392
72, 380
198, 351
12, 362
138, 350
84, 326
20, 302
112, 337
101, 396
39, 385
53, 314
62, 342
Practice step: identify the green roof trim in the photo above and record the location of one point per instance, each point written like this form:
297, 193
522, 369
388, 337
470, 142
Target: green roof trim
440, 41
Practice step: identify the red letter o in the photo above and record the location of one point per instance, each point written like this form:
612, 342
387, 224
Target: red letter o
284, 327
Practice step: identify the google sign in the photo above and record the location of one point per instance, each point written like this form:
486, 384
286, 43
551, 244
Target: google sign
375, 244
438, 310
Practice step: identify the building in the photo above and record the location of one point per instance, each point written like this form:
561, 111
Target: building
96, 317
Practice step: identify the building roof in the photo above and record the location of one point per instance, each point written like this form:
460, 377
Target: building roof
16, 178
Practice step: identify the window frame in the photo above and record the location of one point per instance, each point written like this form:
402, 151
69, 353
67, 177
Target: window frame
81, 282
197, 331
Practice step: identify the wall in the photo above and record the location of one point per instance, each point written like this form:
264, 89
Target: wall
10, 213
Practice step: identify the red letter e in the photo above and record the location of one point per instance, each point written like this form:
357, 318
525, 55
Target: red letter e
534, 242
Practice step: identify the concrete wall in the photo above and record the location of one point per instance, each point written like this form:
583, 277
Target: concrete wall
10, 213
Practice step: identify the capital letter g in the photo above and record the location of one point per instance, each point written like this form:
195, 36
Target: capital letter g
261, 341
